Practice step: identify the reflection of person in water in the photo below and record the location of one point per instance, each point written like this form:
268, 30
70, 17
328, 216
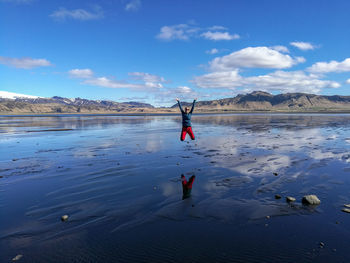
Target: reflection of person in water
187, 186
186, 120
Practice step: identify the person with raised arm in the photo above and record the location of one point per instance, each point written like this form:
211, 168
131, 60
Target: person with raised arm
186, 120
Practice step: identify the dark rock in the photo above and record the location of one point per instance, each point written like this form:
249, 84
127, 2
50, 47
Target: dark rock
290, 199
278, 197
346, 210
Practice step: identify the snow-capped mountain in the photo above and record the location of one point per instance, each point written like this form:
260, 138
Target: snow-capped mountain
13, 96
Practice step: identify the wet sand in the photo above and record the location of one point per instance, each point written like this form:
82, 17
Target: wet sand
118, 179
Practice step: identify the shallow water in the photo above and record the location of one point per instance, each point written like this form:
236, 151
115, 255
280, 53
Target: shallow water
118, 179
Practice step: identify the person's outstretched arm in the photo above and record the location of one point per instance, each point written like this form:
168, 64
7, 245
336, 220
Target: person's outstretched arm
178, 102
194, 101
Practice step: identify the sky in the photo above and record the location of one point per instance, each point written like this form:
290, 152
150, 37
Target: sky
154, 51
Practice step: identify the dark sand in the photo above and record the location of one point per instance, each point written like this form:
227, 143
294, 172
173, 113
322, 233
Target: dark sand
118, 179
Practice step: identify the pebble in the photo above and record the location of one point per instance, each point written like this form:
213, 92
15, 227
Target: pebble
321, 244
311, 200
278, 197
346, 210
290, 199
347, 205
64, 218
18, 257
267, 217
275, 174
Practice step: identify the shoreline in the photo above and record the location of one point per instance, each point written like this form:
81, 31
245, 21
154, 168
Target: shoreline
169, 113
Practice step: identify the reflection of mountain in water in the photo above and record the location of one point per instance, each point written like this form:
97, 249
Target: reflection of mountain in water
268, 121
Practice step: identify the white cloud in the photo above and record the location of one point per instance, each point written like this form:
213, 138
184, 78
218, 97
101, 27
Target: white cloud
254, 57
333, 66
294, 81
224, 79
348, 81
187, 31
280, 48
78, 14
146, 77
133, 5
81, 73
216, 28
25, 62
109, 83
181, 31
212, 51
216, 36
303, 45
149, 82
184, 90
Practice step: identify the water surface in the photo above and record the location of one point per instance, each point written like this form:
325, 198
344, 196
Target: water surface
118, 179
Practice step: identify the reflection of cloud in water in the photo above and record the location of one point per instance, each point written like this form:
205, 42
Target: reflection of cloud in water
170, 189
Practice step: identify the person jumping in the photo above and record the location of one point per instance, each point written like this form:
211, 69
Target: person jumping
186, 120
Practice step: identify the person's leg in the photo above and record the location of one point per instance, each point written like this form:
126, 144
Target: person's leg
183, 134
190, 132
190, 182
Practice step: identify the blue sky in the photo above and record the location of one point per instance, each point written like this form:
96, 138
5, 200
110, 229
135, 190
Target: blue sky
155, 51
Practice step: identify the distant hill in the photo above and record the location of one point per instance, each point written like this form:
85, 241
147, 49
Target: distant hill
263, 101
36, 105
255, 101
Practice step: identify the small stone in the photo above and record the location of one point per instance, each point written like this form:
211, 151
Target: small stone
278, 197
347, 205
290, 199
346, 210
275, 174
18, 257
267, 217
64, 218
311, 200
321, 244
14, 160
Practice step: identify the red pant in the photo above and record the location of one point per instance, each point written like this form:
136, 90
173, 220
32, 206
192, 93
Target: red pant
186, 130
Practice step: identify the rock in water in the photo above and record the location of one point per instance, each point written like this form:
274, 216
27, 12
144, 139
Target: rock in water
18, 257
64, 218
311, 200
278, 197
347, 205
346, 210
290, 199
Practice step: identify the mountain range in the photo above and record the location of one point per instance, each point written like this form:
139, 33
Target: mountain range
255, 101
